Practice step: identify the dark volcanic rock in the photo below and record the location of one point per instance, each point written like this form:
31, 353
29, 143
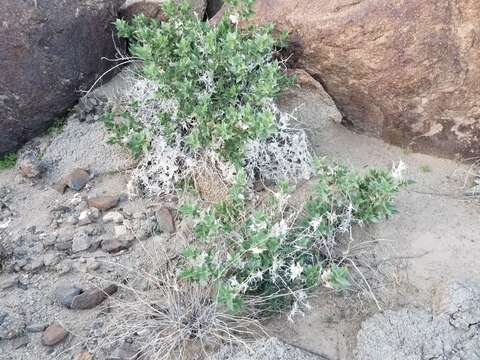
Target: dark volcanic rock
92, 297
48, 51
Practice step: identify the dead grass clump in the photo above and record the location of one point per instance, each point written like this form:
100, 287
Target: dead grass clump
162, 317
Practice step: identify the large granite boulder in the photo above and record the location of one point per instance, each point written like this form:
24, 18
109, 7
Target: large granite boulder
49, 50
407, 71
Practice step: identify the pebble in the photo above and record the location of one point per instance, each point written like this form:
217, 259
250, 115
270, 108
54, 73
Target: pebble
84, 355
84, 218
72, 220
76, 180
113, 216
165, 220
88, 216
82, 242
103, 202
64, 294
114, 245
8, 283
51, 259
53, 335
60, 187
92, 297
34, 328
122, 233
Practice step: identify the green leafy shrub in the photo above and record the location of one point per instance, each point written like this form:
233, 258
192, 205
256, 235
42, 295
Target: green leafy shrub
203, 104
273, 251
8, 161
128, 132
206, 90
221, 79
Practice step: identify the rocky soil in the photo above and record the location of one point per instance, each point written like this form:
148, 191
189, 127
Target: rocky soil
69, 228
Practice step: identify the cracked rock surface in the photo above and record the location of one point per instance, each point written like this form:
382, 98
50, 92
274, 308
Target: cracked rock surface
266, 349
452, 333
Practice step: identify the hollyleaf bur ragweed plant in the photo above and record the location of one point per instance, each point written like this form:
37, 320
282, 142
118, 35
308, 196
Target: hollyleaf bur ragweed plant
200, 109
207, 94
275, 252
222, 79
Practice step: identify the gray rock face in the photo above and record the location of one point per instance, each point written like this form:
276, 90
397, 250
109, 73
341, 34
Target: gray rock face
266, 349
416, 334
48, 51
92, 297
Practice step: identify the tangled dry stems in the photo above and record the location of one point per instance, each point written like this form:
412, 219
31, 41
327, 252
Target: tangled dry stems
283, 156
162, 317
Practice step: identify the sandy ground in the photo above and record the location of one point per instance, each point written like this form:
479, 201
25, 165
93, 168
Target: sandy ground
433, 240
